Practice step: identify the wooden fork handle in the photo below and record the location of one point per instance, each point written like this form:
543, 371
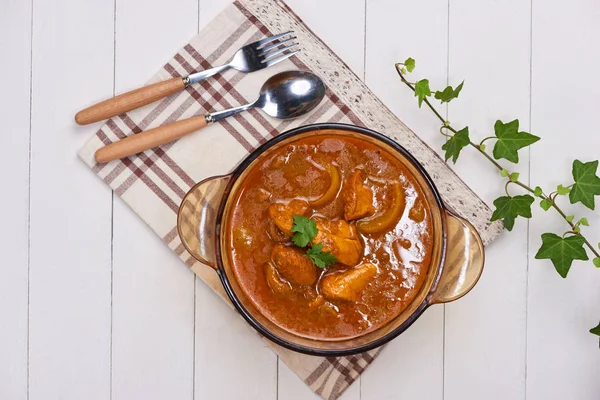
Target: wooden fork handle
148, 139
129, 101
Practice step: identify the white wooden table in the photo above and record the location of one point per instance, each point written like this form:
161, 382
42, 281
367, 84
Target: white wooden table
93, 306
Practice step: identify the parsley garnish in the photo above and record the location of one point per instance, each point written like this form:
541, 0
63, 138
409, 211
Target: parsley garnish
320, 258
305, 230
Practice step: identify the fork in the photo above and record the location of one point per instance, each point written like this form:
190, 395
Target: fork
252, 57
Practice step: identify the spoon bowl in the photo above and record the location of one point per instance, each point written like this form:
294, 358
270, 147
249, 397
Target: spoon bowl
290, 94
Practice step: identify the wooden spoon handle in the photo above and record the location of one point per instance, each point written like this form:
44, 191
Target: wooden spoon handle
148, 139
129, 101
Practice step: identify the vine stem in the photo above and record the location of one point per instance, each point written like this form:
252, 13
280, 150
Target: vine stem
446, 125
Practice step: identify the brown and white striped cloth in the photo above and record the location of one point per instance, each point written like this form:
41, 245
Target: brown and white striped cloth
154, 183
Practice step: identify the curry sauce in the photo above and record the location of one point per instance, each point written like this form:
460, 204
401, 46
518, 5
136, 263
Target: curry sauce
371, 215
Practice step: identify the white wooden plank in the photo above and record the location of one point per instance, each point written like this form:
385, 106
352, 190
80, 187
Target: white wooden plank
209, 9
70, 209
343, 31
415, 358
411, 365
15, 45
153, 291
153, 315
290, 387
494, 312
231, 361
562, 356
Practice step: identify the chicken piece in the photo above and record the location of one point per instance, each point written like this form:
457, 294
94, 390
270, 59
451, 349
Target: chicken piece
358, 199
293, 265
348, 285
282, 214
277, 284
316, 302
341, 239
275, 233
417, 212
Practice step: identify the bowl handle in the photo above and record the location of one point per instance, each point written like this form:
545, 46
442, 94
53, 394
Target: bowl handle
197, 217
464, 260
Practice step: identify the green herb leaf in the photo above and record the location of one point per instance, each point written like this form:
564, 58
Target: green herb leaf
510, 140
597, 262
504, 173
422, 90
546, 204
584, 221
587, 183
596, 330
456, 143
562, 190
509, 208
570, 218
410, 64
449, 93
304, 229
514, 176
538, 191
562, 251
319, 257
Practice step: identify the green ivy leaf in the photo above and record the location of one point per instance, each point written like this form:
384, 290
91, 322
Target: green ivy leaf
587, 183
509, 208
504, 173
584, 221
538, 192
510, 140
514, 176
545, 204
422, 90
410, 64
456, 143
449, 93
596, 330
570, 218
482, 147
562, 251
577, 229
597, 262
562, 190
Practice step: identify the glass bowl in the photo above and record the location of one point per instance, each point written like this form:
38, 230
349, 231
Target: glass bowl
456, 264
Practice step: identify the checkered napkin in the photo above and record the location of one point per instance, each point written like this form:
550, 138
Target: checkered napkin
154, 183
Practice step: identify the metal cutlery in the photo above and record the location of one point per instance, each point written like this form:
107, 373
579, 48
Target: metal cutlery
252, 57
285, 95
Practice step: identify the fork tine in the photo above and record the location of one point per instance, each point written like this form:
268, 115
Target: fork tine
273, 61
273, 46
272, 54
270, 39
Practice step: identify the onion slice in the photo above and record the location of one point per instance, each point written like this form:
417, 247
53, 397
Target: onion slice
390, 217
334, 187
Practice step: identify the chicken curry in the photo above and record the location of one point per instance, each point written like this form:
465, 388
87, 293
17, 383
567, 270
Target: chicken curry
331, 236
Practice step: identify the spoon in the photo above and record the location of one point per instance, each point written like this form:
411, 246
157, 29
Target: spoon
286, 95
